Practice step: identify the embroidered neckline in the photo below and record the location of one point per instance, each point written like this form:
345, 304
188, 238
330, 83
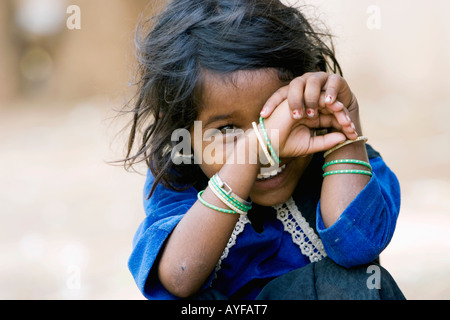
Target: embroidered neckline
302, 233
294, 223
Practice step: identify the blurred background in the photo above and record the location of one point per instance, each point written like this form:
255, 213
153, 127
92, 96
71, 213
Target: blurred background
68, 218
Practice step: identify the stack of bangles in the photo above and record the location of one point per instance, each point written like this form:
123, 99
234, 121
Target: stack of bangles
226, 195
223, 191
346, 161
265, 143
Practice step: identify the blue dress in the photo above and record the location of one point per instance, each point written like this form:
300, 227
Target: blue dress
273, 241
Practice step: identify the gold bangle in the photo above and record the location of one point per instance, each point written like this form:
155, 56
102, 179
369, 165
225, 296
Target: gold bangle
343, 144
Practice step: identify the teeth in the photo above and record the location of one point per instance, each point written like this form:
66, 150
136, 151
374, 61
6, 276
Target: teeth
270, 174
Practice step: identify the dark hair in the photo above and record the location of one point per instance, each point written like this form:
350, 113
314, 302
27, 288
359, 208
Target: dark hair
190, 37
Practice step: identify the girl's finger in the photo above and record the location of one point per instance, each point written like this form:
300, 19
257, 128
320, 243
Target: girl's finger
328, 121
348, 127
274, 101
345, 122
340, 113
325, 142
335, 87
325, 107
339, 120
313, 91
295, 97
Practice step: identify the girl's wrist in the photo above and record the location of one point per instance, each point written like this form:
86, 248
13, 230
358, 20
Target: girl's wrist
349, 151
245, 151
356, 150
242, 165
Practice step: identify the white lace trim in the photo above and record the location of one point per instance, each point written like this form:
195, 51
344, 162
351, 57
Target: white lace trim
302, 233
294, 223
238, 229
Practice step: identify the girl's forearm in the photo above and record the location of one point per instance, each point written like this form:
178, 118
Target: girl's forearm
195, 246
338, 191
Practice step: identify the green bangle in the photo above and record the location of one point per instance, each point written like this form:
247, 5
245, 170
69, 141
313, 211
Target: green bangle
363, 172
228, 197
347, 161
210, 206
269, 145
223, 185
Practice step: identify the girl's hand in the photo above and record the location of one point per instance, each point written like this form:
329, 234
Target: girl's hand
317, 93
295, 138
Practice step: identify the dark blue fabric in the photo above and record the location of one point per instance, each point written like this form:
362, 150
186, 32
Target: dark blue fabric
325, 280
366, 227
163, 212
264, 251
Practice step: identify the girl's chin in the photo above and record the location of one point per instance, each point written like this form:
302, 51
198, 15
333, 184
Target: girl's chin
274, 191
279, 188
271, 200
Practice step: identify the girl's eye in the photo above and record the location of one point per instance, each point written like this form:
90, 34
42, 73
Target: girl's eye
228, 129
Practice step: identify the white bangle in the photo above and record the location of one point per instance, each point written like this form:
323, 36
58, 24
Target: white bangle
263, 144
230, 192
221, 198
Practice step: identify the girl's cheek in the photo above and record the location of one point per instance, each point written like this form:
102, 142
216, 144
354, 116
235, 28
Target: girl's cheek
214, 153
211, 157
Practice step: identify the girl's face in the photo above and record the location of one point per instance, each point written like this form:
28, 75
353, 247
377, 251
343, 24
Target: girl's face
231, 107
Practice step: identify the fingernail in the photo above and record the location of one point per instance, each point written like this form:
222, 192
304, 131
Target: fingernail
296, 114
328, 99
348, 118
311, 113
353, 126
263, 112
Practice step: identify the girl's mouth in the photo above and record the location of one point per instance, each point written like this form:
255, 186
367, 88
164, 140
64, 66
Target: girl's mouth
271, 174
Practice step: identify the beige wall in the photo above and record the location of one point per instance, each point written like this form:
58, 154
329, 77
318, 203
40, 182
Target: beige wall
93, 60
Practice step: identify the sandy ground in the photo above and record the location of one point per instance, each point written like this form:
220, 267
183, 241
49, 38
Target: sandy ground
68, 218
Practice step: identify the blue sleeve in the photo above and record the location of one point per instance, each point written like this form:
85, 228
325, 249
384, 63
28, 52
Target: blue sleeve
366, 227
164, 211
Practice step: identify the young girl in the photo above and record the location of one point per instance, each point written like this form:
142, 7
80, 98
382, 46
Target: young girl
309, 217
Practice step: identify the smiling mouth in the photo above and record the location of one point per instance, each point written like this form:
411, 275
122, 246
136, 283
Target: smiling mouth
270, 174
